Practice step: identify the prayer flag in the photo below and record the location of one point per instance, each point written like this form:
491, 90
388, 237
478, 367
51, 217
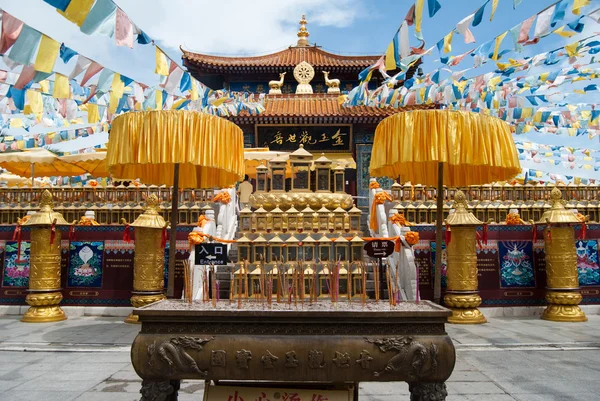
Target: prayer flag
448, 42
499, 40
11, 28
494, 5
578, 4
101, 19
47, 54
162, 67
418, 15
35, 102
433, 7
77, 11
390, 59
60, 4
24, 48
124, 30
61, 87
479, 14
91, 70
542, 26
66, 53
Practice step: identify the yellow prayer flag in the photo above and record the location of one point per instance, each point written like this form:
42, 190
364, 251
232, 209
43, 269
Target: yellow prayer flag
526, 112
390, 60
194, 90
178, 103
418, 14
561, 31
572, 131
572, 107
77, 11
494, 5
162, 66
577, 180
572, 49
116, 92
61, 87
527, 128
47, 54
587, 167
35, 102
45, 86
448, 42
580, 91
16, 123
92, 112
587, 159
21, 144
499, 40
586, 114
578, 4
159, 100
538, 173
544, 76
537, 117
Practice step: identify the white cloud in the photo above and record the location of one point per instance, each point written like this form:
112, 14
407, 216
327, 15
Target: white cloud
223, 27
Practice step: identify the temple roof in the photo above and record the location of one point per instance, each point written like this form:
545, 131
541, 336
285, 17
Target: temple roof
283, 60
316, 107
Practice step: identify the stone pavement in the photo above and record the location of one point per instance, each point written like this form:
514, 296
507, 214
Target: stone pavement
524, 359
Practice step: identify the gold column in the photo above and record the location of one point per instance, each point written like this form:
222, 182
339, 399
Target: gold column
44, 272
149, 259
462, 286
562, 280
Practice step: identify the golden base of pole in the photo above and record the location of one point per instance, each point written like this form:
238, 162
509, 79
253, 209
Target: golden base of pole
464, 309
44, 308
563, 307
142, 300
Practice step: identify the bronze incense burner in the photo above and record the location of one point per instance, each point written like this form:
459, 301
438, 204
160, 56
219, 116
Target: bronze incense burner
322, 343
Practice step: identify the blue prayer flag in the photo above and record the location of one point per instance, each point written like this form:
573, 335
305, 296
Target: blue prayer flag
59, 4
479, 14
66, 53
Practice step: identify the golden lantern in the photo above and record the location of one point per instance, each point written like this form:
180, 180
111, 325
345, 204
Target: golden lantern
419, 193
340, 246
300, 162
338, 219
451, 193
462, 284
278, 167
396, 192
430, 193
292, 244
323, 216
562, 281
496, 191
308, 248
305, 220
262, 175
292, 219
245, 220
422, 211
137, 210
244, 245
339, 179
44, 271
502, 212
261, 220
431, 213
195, 214
323, 173
411, 212
355, 219
356, 243
324, 246
277, 220
537, 210
593, 211
275, 245
480, 211
518, 192
126, 213
407, 192
183, 212
492, 211
260, 249
115, 214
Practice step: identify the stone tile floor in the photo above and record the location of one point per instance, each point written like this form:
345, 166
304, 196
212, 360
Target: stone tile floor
524, 359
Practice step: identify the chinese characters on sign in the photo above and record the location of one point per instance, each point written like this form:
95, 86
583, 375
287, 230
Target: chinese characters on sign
241, 393
211, 254
329, 138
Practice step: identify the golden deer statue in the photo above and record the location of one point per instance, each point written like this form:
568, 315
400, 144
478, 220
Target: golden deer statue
275, 86
333, 85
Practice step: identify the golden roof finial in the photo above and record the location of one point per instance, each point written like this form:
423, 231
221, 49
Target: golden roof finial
152, 204
461, 215
303, 33
150, 218
46, 203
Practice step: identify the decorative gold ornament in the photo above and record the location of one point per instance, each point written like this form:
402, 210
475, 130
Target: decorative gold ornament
300, 200
562, 280
303, 33
149, 259
275, 86
44, 272
304, 73
461, 273
333, 85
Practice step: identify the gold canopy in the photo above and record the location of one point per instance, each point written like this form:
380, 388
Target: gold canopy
93, 163
474, 148
148, 144
38, 163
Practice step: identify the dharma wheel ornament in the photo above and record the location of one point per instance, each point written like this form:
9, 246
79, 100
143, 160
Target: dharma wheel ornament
304, 73
44, 272
562, 280
462, 288
149, 259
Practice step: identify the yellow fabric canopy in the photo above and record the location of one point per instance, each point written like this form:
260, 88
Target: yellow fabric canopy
148, 144
93, 163
42, 162
474, 148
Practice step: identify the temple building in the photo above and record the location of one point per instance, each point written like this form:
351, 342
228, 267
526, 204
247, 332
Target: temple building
302, 86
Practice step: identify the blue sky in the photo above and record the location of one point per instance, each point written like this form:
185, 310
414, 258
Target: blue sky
237, 27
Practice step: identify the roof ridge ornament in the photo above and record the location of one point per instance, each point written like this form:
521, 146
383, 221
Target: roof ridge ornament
303, 34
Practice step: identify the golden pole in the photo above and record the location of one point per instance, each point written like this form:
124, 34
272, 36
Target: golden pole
44, 272
149, 259
462, 291
562, 280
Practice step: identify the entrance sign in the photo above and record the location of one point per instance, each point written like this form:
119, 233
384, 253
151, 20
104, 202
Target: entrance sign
211, 254
379, 248
326, 138
241, 393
